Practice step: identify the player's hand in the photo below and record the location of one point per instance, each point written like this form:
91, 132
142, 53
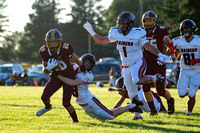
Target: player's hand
172, 48
160, 61
194, 61
111, 89
89, 77
89, 28
52, 63
164, 57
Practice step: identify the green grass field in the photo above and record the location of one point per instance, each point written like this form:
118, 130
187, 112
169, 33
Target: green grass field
18, 106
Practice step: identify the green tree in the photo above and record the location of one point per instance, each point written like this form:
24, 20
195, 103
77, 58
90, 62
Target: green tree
10, 46
173, 12
42, 20
73, 31
3, 20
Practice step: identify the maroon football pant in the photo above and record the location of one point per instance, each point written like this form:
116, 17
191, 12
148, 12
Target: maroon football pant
152, 69
52, 86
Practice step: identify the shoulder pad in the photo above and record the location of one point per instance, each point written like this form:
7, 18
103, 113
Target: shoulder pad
139, 33
162, 27
65, 45
42, 49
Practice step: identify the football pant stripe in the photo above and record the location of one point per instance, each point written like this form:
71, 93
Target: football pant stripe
102, 106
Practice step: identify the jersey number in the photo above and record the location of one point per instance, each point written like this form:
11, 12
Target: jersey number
124, 50
187, 58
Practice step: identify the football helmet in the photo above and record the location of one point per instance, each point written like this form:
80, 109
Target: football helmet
120, 82
53, 36
88, 61
125, 17
152, 16
187, 23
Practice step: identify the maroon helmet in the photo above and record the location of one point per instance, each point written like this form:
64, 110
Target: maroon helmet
53, 36
152, 16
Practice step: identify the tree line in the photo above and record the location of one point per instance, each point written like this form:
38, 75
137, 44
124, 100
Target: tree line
24, 46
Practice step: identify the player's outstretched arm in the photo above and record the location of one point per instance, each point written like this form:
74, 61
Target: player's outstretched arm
71, 82
99, 39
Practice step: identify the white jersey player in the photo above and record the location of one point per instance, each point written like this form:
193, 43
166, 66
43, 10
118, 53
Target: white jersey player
188, 45
89, 102
124, 94
129, 44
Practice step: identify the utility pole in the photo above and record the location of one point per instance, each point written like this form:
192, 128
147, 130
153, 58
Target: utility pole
141, 11
89, 36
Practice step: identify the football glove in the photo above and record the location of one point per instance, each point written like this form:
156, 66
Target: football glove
52, 63
164, 57
160, 61
172, 48
194, 61
89, 28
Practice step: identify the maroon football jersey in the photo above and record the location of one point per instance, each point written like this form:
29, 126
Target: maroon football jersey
64, 56
155, 39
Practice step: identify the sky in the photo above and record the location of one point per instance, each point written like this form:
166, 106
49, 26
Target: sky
18, 10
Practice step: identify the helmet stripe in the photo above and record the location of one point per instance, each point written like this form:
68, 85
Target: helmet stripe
121, 16
53, 34
147, 14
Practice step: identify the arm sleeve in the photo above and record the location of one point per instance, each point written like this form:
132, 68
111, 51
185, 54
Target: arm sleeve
111, 34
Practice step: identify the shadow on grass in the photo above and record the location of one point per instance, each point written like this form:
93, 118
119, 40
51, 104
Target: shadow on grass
20, 105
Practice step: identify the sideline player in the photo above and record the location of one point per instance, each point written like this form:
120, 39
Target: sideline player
188, 45
157, 36
56, 56
89, 102
124, 94
129, 44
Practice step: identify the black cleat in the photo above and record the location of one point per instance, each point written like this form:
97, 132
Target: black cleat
171, 108
153, 113
137, 102
136, 109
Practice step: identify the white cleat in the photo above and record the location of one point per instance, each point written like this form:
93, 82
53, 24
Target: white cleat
42, 111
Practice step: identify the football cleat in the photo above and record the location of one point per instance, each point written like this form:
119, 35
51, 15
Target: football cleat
171, 108
42, 111
153, 113
136, 109
137, 118
137, 102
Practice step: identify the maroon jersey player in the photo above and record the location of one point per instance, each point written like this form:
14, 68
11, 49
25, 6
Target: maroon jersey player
56, 56
158, 37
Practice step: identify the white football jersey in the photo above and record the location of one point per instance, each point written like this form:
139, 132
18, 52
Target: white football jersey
129, 46
84, 94
188, 51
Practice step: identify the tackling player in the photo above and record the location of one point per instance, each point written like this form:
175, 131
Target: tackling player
129, 42
89, 102
124, 94
157, 36
56, 56
188, 46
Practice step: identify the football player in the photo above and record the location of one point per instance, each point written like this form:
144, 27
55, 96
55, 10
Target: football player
188, 46
158, 37
56, 56
129, 42
89, 102
124, 94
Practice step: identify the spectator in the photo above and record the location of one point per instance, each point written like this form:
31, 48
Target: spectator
12, 80
176, 72
112, 76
